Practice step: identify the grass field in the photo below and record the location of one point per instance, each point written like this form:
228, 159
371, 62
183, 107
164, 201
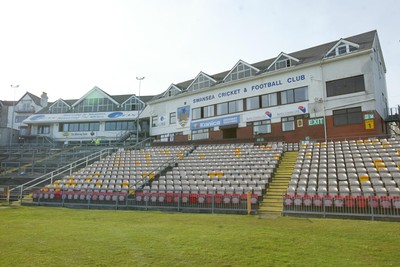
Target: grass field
39, 236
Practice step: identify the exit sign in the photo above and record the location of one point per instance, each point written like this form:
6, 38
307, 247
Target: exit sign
316, 121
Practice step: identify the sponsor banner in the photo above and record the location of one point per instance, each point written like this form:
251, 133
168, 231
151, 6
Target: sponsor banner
214, 123
278, 112
79, 117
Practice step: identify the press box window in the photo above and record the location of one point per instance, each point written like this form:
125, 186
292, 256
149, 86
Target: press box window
200, 134
347, 116
345, 86
261, 127
287, 124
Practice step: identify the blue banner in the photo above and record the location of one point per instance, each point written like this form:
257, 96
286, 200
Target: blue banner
214, 123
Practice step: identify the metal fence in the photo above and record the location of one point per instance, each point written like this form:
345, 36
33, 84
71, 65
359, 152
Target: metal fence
369, 207
179, 202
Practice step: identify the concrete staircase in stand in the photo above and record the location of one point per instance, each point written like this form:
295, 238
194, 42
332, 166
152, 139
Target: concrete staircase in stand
272, 202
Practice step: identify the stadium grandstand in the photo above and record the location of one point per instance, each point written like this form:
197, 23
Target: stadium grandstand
305, 133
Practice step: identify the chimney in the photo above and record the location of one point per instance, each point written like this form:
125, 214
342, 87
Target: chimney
44, 100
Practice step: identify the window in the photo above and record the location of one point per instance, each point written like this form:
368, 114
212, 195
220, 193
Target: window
345, 86
203, 112
261, 127
172, 118
154, 121
120, 126
269, 100
200, 134
196, 113
235, 106
294, 95
287, 97
341, 50
253, 103
44, 129
208, 111
347, 116
222, 108
95, 105
79, 127
281, 64
287, 124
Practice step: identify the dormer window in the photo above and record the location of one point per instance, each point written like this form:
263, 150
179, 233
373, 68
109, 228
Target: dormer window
283, 61
171, 91
341, 48
202, 81
240, 71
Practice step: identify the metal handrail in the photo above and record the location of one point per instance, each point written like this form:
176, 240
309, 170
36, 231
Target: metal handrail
68, 168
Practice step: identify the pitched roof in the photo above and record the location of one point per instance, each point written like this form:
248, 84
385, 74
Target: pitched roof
309, 55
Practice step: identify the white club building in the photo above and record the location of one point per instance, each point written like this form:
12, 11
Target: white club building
332, 91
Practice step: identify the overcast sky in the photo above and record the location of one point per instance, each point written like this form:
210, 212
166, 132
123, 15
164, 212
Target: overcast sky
65, 48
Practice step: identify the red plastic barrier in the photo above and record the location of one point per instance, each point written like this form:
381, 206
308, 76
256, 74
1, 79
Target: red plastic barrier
169, 197
193, 198
362, 201
218, 198
350, 201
